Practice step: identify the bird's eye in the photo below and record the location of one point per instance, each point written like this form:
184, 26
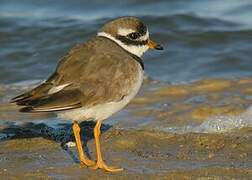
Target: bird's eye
134, 35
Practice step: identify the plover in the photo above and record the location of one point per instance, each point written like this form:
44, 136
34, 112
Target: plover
94, 80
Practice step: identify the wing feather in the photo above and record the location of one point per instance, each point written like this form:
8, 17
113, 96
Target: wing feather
62, 100
95, 72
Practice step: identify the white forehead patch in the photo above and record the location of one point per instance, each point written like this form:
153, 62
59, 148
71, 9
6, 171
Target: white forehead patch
137, 50
124, 31
145, 37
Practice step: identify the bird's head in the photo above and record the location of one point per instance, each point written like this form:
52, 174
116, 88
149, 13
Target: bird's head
131, 34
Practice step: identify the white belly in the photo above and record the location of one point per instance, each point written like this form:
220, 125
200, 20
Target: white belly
103, 111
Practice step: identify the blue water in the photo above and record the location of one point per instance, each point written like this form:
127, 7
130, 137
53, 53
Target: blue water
202, 39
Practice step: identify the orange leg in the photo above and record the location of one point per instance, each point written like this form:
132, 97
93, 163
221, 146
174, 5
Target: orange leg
83, 158
100, 163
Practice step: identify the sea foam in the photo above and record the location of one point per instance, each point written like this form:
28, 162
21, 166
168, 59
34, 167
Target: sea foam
217, 124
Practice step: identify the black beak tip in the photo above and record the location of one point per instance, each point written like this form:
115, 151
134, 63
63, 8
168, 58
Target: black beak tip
159, 47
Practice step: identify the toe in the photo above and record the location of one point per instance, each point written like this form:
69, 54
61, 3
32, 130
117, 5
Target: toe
113, 169
102, 165
87, 163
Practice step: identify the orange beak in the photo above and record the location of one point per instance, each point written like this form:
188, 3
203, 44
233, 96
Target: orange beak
153, 45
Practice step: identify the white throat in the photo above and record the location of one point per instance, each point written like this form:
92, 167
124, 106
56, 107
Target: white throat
136, 50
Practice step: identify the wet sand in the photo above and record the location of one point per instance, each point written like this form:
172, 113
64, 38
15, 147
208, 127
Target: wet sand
143, 155
145, 149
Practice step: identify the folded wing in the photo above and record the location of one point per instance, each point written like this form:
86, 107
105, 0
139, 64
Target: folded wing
83, 78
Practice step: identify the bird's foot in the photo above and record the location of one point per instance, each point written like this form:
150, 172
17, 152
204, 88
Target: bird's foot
102, 165
87, 162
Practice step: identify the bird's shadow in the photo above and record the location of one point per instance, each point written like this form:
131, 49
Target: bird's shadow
62, 134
